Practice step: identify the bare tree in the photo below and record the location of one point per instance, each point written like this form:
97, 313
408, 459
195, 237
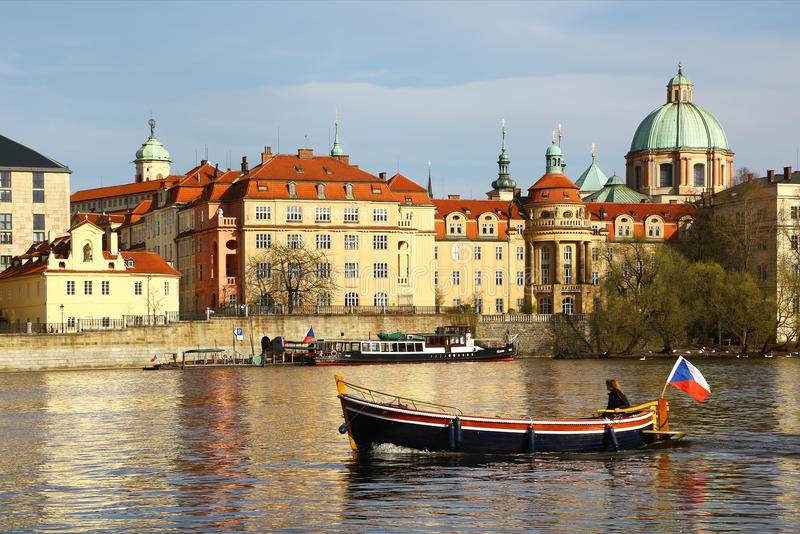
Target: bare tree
289, 276
743, 174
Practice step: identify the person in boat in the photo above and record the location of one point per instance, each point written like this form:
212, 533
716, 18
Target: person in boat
616, 398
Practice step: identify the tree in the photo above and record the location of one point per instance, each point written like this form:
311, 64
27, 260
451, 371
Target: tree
289, 276
743, 174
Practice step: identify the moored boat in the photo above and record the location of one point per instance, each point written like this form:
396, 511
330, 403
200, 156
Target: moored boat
372, 418
447, 344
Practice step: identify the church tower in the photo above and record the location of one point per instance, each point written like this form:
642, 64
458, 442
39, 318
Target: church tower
152, 159
503, 187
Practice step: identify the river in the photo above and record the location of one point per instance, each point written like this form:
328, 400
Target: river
257, 449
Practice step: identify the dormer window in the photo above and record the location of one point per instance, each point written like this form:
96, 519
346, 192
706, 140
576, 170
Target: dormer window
545, 196
327, 170
129, 263
299, 170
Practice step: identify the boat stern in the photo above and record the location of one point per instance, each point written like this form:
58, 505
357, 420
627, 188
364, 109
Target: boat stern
341, 389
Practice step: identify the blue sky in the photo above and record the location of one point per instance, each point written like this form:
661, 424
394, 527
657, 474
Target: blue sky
412, 82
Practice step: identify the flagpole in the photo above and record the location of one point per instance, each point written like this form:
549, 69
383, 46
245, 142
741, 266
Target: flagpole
670, 375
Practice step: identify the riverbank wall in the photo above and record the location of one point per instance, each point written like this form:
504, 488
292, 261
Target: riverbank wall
133, 347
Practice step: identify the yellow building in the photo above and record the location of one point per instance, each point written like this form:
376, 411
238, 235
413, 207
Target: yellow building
73, 282
34, 199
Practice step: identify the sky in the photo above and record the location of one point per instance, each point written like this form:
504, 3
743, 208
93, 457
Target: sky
412, 82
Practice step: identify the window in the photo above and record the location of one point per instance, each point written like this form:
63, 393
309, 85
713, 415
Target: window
699, 175
38, 237
137, 286
456, 278
5, 195
568, 306
794, 240
322, 215
665, 175
455, 252
380, 242
263, 269
639, 267
762, 272
595, 254
351, 215
380, 214
380, 270
70, 322
263, 213
323, 270
381, 299
654, 229
351, 299
351, 270
456, 228
476, 253
38, 221
38, 180
105, 287
5, 262
478, 279
324, 241
456, 303
294, 214
623, 230
520, 278
520, 253
499, 305
294, 240
5, 221
436, 278
545, 253
595, 278
38, 196
545, 306
478, 304
351, 241
5, 179
323, 298
498, 253
294, 270
610, 254
794, 212
106, 322
262, 241
166, 288
436, 253
487, 228
498, 278
568, 265
70, 287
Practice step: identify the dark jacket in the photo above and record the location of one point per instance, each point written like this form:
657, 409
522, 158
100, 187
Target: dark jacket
617, 400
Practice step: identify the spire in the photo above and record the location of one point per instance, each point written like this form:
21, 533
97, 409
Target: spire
430, 187
152, 124
336, 151
592, 152
503, 181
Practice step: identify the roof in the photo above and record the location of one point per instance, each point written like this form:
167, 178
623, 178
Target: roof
679, 126
285, 167
152, 150
599, 211
616, 191
592, 179
472, 209
679, 79
14, 155
553, 187
399, 183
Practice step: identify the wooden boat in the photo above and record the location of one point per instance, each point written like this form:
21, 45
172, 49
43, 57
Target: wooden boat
372, 417
447, 344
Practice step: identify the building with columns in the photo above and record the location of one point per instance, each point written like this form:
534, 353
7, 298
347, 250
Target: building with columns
679, 151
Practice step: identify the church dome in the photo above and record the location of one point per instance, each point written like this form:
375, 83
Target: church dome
152, 149
553, 187
679, 126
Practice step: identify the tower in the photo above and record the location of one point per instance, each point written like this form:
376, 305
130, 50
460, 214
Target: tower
152, 159
503, 187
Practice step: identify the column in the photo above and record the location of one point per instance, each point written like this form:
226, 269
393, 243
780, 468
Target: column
557, 263
681, 162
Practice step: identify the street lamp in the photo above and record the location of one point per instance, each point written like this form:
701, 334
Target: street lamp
62, 317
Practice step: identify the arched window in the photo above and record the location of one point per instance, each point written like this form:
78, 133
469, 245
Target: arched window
568, 306
381, 299
87, 252
665, 177
545, 306
567, 215
699, 175
351, 299
323, 298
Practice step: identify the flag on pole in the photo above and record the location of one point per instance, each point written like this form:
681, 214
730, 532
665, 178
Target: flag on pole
154, 358
283, 341
686, 377
309, 335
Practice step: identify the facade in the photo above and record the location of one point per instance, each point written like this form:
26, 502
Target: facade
679, 151
75, 279
34, 199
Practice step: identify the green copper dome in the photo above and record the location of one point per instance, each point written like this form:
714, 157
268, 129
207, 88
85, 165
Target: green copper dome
679, 126
679, 79
152, 149
553, 150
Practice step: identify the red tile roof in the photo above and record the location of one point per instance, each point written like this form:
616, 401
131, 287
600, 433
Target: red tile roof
399, 183
553, 187
608, 211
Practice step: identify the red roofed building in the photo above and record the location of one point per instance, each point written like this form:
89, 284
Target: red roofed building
75, 280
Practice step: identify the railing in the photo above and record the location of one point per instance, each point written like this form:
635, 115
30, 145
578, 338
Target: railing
278, 309
530, 318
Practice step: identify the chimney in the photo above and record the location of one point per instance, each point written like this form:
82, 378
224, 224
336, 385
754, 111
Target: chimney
344, 159
305, 153
244, 164
787, 173
382, 175
454, 197
203, 161
113, 242
267, 154
770, 176
216, 170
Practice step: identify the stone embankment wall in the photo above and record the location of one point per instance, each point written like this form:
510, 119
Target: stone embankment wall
134, 346
535, 333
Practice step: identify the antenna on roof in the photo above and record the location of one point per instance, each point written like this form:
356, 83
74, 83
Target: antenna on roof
306, 138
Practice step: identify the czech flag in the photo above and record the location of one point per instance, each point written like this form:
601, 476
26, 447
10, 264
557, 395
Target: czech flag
154, 358
283, 341
686, 377
309, 336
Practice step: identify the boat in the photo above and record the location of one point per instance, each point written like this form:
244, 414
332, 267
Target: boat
446, 344
372, 417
